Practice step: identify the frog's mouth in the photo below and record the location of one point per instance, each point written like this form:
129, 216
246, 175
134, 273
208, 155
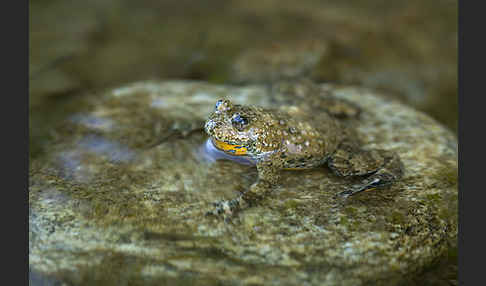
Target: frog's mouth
237, 150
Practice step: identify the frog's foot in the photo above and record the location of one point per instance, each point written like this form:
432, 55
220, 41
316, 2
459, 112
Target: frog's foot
381, 167
251, 197
227, 208
367, 186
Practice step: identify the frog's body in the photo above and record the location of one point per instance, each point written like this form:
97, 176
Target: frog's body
293, 137
295, 141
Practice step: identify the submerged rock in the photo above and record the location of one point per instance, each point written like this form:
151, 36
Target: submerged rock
119, 198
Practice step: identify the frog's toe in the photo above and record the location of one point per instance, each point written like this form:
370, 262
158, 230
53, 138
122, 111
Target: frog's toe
369, 185
225, 208
218, 208
345, 194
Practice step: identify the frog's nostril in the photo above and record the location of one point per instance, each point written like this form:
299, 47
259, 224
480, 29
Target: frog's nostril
209, 125
218, 103
222, 105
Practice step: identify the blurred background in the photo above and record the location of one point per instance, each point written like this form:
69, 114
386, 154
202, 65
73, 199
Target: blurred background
405, 49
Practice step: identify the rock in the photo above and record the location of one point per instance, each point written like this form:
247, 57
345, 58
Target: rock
119, 197
278, 61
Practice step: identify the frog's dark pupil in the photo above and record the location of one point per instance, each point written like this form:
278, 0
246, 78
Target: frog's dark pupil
239, 121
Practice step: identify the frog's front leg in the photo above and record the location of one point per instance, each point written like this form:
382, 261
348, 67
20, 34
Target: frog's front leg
268, 175
177, 131
379, 167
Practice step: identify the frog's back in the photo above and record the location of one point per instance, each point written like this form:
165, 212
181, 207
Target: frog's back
309, 138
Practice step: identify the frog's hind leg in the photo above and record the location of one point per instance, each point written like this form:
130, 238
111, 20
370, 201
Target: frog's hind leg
339, 108
316, 98
379, 167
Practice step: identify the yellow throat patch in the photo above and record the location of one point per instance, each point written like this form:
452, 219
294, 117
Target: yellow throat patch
236, 150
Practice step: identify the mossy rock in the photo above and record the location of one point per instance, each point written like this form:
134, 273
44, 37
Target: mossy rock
119, 196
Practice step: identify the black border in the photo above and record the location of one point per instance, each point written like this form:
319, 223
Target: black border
22, 97
464, 272
470, 88
15, 141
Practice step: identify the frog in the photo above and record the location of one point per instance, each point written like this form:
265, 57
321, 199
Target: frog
296, 137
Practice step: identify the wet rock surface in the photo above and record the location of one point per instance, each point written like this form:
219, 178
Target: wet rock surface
119, 195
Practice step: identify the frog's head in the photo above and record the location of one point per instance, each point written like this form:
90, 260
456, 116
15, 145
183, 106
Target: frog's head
234, 128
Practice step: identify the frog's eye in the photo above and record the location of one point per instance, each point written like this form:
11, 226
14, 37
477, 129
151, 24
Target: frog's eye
222, 105
239, 122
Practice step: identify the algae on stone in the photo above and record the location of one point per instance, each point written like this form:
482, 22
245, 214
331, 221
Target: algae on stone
123, 188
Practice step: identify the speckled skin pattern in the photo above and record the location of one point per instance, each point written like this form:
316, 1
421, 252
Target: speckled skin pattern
292, 137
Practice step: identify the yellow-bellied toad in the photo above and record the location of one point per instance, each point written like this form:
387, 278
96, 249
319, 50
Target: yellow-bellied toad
293, 137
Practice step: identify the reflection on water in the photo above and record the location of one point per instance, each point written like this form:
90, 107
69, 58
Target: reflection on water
114, 151
92, 122
81, 162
